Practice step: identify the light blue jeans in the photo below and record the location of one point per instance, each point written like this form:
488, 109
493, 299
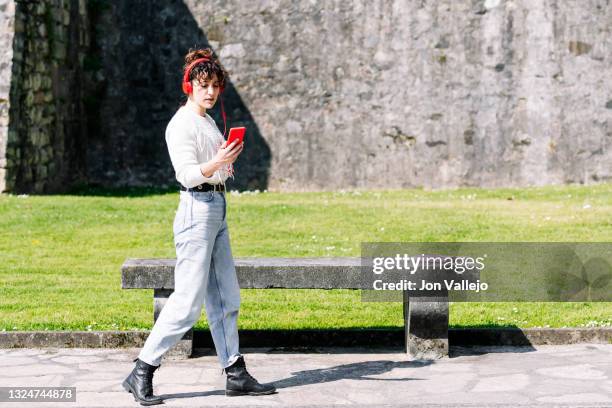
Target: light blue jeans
204, 273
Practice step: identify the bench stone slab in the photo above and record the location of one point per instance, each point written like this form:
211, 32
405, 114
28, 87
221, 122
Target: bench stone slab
255, 273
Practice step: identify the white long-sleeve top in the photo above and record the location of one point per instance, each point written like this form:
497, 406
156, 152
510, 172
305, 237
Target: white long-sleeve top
193, 139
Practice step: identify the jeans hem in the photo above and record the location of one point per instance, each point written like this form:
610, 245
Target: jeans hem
232, 360
148, 362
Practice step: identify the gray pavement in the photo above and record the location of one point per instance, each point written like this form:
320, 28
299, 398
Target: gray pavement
569, 375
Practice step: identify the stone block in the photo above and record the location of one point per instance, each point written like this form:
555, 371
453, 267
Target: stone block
59, 51
43, 48
29, 99
45, 152
40, 66
39, 97
19, 25
10, 148
52, 167
42, 172
35, 82
34, 137
426, 327
39, 186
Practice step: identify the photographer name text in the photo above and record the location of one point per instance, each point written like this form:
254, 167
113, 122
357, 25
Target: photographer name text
451, 284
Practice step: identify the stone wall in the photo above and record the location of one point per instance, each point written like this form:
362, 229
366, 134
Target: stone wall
373, 94
7, 24
430, 93
46, 132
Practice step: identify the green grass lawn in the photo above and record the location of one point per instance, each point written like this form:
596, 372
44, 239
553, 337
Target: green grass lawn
60, 255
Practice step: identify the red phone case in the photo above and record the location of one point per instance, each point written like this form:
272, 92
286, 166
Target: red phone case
236, 133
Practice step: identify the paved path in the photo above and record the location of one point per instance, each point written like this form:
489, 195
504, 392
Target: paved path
572, 375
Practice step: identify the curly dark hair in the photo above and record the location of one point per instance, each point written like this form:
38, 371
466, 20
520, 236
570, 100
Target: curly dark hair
205, 69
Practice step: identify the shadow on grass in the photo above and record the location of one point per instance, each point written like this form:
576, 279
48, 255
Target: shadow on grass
125, 191
285, 340
311, 340
93, 190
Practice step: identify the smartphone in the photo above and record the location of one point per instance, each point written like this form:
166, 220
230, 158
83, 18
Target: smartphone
236, 133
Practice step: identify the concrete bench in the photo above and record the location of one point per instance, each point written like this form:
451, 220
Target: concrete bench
425, 319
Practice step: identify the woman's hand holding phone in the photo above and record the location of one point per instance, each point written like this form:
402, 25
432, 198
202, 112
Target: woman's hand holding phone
232, 150
225, 155
228, 154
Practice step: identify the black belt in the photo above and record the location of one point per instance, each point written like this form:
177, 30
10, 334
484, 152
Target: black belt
205, 187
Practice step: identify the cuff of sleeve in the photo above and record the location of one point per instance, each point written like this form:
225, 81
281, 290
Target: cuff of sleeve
194, 177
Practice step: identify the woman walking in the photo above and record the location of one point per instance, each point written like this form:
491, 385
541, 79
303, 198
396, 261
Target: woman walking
204, 272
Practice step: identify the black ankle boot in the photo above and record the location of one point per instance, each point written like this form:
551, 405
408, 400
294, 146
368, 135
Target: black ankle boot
140, 384
240, 382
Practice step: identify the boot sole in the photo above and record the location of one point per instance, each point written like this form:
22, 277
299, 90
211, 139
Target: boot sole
233, 393
128, 388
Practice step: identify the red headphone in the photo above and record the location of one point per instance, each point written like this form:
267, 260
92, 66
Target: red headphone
188, 88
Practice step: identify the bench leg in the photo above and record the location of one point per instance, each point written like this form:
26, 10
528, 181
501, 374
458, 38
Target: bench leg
184, 347
426, 327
